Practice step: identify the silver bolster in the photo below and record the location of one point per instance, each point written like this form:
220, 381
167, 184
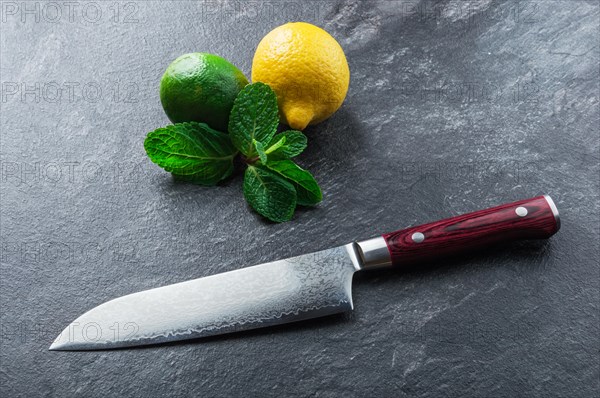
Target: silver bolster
554, 210
374, 253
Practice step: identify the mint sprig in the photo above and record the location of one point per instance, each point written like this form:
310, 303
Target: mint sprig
273, 183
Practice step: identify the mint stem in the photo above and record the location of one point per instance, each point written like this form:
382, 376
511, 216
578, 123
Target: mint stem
251, 160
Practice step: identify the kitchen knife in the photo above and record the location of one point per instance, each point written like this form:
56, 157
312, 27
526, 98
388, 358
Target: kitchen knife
303, 287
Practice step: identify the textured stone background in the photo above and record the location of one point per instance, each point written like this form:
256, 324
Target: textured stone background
453, 106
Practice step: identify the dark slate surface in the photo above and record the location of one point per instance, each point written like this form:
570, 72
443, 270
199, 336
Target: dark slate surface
453, 107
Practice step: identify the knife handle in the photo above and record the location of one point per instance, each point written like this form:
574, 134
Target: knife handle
535, 218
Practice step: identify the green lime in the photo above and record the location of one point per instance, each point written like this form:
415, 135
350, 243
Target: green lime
201, 87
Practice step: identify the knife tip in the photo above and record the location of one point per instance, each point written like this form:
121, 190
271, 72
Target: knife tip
57, 346
62, 342
54, 347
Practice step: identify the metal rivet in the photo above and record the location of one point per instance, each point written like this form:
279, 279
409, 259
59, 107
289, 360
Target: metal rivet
521, 211
418, 237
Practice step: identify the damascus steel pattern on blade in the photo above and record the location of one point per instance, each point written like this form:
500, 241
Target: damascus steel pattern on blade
298, 288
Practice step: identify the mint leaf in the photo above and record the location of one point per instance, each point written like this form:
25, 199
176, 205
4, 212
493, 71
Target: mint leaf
193, 151
254, 116
307, 189
276, 143
287, 145
269, 194
261, 151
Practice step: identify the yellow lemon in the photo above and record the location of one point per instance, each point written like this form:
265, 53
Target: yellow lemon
307, 69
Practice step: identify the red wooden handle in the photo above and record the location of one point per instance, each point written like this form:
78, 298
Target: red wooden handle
535, 218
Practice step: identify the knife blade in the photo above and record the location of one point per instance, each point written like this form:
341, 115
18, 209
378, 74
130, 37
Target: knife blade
294, 289
298, 288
